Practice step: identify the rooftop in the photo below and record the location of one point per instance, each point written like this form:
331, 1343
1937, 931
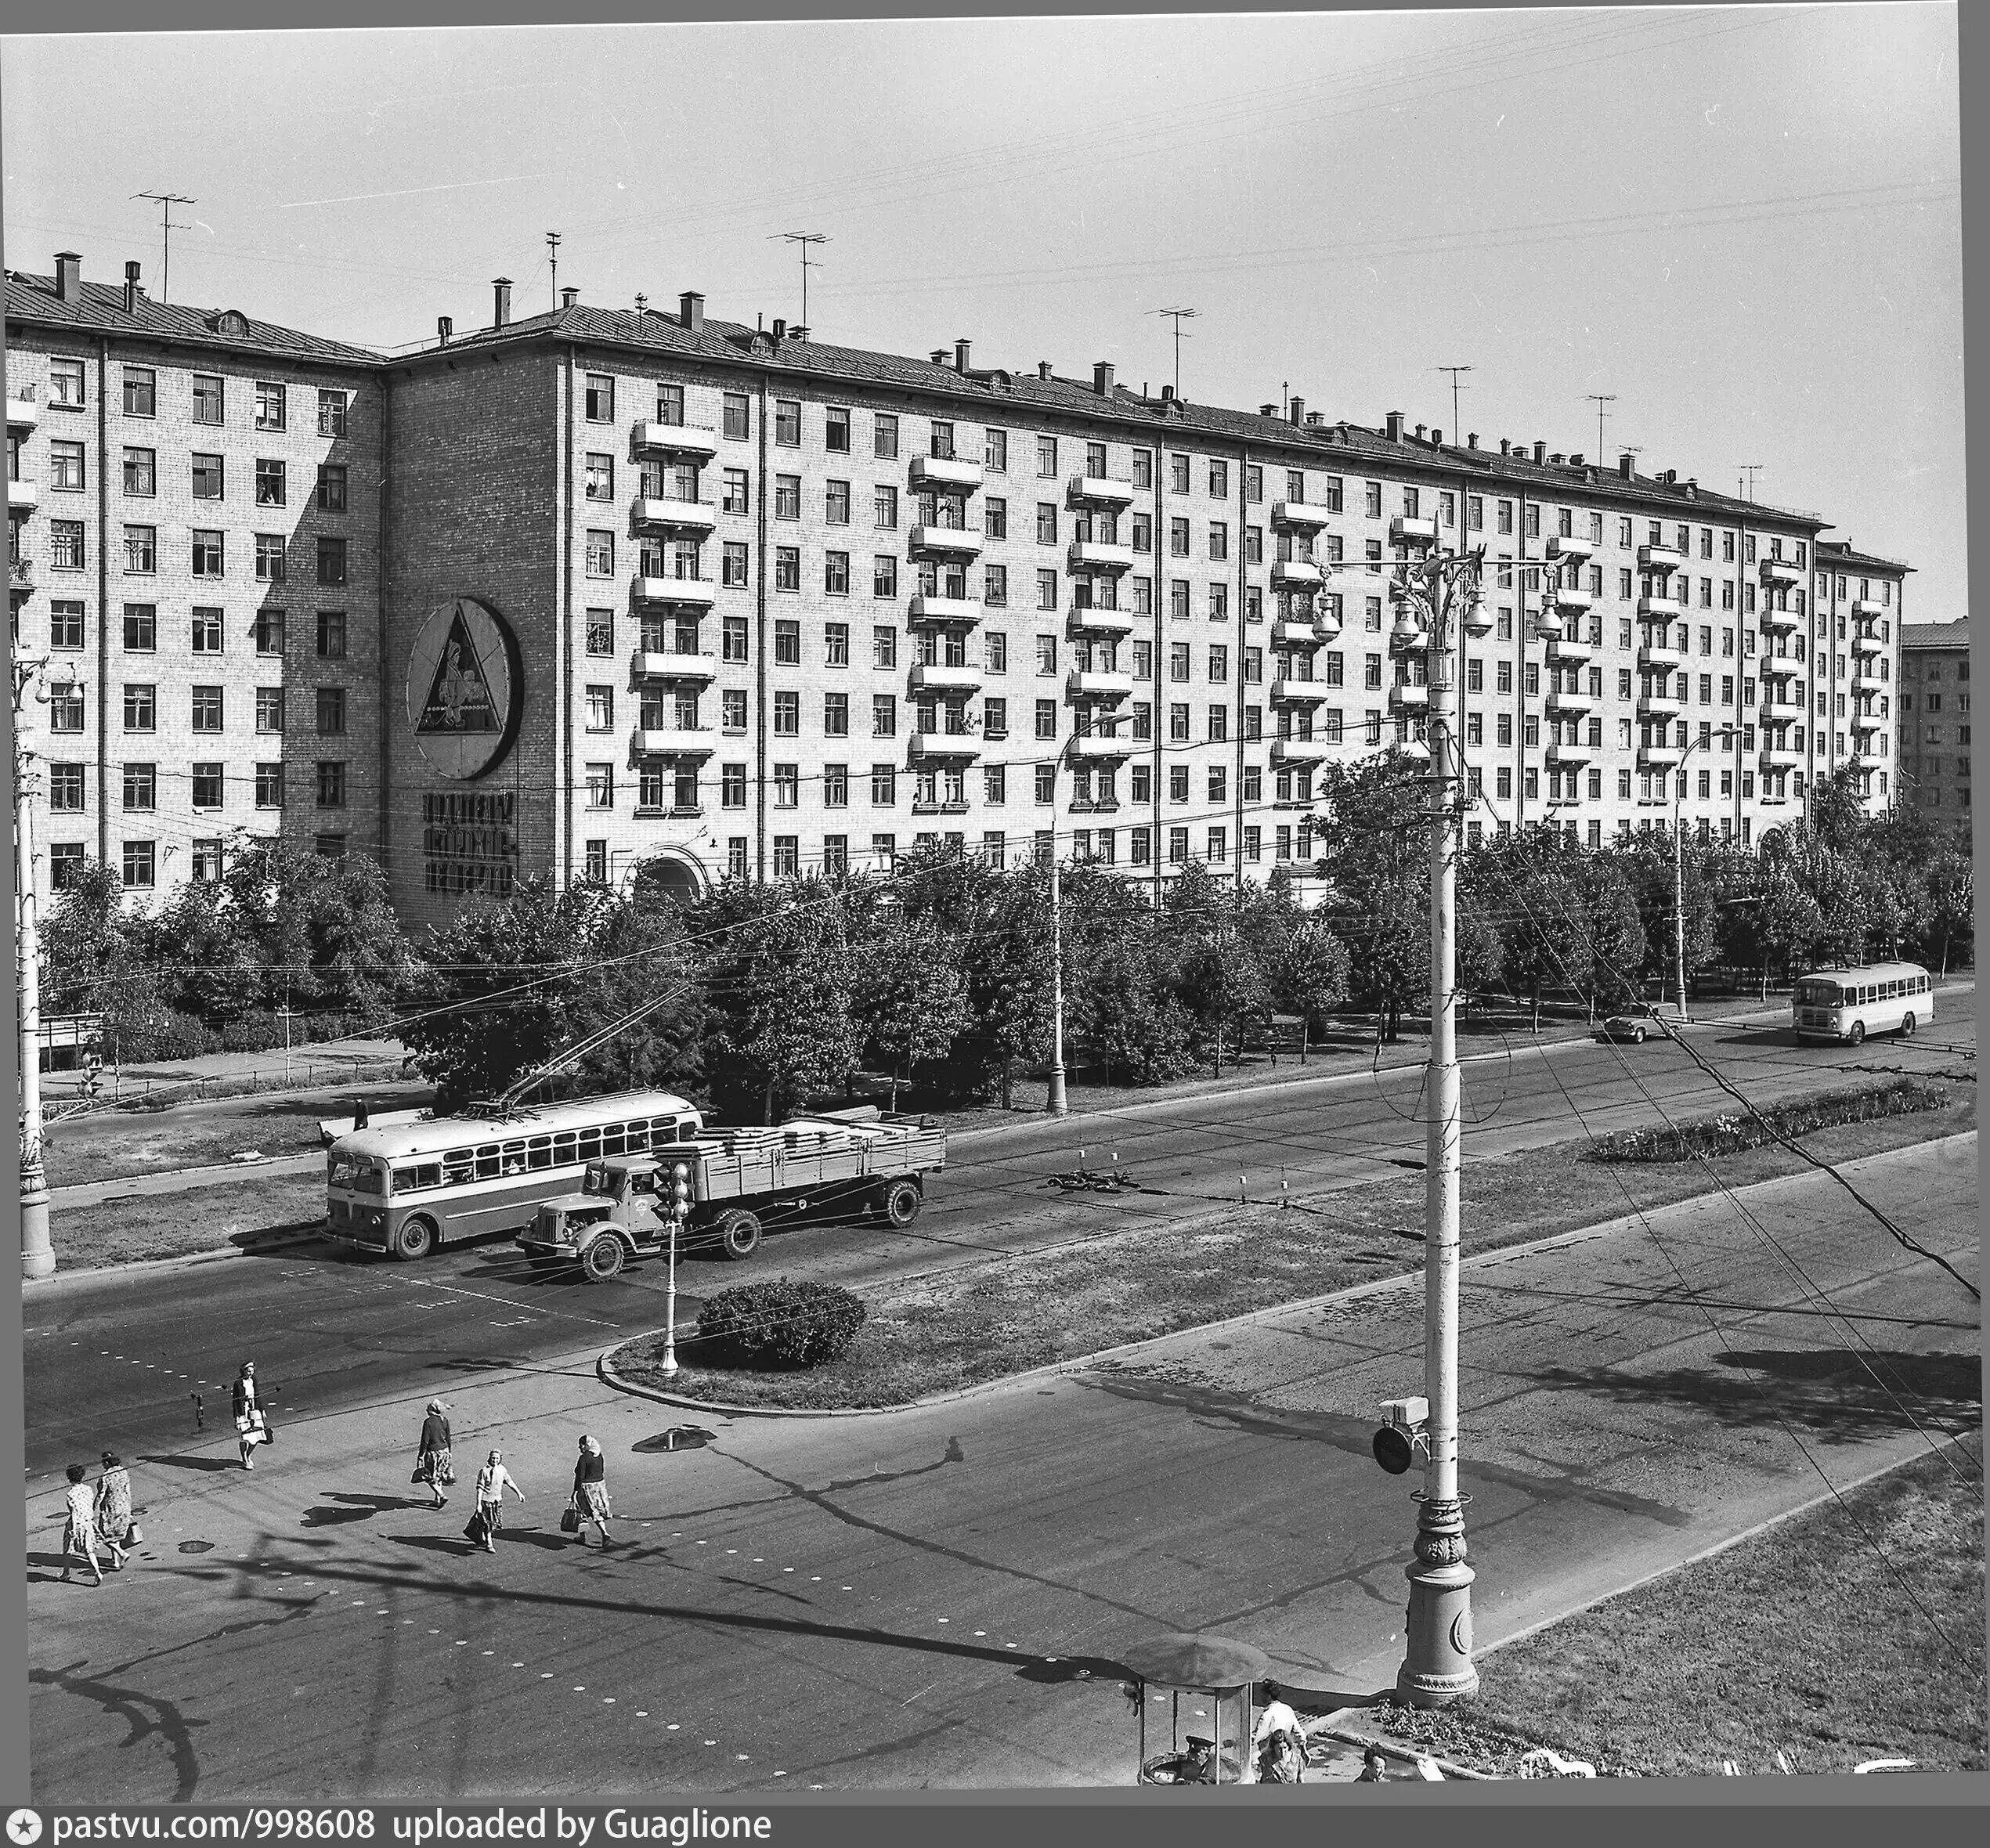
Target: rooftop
1936, 635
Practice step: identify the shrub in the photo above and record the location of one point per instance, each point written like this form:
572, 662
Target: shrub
154, 1033
780, 1325
1731, 1133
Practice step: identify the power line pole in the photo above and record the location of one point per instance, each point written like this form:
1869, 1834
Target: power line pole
553, 261
1178, 315
1599, 399
37, 1256
167, 201
805, 239
1454, 370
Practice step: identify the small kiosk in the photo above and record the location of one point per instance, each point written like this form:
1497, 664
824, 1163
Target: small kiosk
1227, 1672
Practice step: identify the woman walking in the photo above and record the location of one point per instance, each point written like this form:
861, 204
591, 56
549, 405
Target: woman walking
493, 1480
433, 1465
591, 1491
251, 1428
80, 1534
113, 1509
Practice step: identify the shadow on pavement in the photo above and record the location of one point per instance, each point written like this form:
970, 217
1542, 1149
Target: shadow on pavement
209, 1464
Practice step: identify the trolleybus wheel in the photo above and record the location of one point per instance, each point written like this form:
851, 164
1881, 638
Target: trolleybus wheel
739, 1233
415, 1239
603, 1259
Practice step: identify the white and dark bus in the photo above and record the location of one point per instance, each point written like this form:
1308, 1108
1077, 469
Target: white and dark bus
407, 1188
1845, 1004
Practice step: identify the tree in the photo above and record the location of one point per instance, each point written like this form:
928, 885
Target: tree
1616, 941
1217, 972
912, 996
1837, 813
1311, 975
1544, 913
1951, 918
1008, 984
1372, 832
323, 931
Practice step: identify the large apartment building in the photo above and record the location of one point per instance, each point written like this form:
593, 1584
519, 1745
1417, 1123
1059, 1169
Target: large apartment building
1934, 720
634, 587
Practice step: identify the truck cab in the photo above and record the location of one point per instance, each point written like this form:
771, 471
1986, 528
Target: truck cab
611, 1219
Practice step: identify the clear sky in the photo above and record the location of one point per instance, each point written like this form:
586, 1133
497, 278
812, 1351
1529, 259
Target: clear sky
1744, 224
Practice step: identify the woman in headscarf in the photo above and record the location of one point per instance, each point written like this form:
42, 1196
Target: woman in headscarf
590, 1490
113, 1506
493, 1480
251, 1428
433, 1465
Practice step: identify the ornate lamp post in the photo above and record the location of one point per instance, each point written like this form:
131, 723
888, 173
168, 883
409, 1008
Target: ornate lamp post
1439, 596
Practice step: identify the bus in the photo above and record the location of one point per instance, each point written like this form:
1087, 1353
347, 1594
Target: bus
1847, 1004
407, 1187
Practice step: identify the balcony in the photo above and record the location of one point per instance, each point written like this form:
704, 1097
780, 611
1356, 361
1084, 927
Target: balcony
20, 576
1781, 621
666, 513
1296, 574
1095, 555
1865, 676
1661, 656
670, 740
1781, 571
695, 592
945, 474
1299, 516
1298, 750
932, 678
1569, 706
1112, 746
1661, 705
1572, 601
943, 609
22, 496
1405, 529
1406, 700
1090, 618
1569, 650
23, 412
1080, 684
1867, 722
1865, 608
1660, 609
1291, 692
669, 664
1660, 558
1297, 635
1579, 550
1100, 490
1865, 643
956, 805
1781, 756
1568, 756
958, 745
1660, 756
654, 437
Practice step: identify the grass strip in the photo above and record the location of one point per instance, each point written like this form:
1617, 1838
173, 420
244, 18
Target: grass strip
976, 1322
248, 1214
1733, 1131
1739, 1655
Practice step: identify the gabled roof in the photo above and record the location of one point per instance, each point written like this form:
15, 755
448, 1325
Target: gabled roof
99, 309
1837, 553
1935, 635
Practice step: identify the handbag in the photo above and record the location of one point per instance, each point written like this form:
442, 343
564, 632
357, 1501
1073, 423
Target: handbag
420, 1476
134, 1535
570, 1519
477, 1530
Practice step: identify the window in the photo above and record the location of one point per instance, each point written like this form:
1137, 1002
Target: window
268, 406
207, 398
787, 568
787, 785
269, 709
141, 707
141, 628
331, 561
1219, 479
139, 864
269, 632
884, 715
836, 508
1047, 718
66, 383
787, 641
141, 392
600, 708
787, 423
600, 476
141, 787
331, 784
270, 482
599, 398
207, 631
331, 487
884, 785
732, 785
835, 431
835, 714
942, 443
835, 573
65, 789
66, 710
206, 709
141, 468
66, 546
600, 785
734, 564
331, 412
1218, 538
208, 562
596, 863
737, 416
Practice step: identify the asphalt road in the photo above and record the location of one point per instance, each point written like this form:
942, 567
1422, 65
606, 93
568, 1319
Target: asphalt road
937, 1597
118, 1363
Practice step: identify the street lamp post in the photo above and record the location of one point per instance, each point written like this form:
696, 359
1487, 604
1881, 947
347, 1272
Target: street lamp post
1056, 1106
1436, 597
37, 1256
1724, 732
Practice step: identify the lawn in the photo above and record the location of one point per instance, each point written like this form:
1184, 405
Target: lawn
1739, 1656
968, 1326
278, 1209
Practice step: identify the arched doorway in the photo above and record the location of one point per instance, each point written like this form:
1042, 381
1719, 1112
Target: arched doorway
673, 873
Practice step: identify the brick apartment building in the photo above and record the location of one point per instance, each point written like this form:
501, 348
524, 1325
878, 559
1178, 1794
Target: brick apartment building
626, 586
1934, 720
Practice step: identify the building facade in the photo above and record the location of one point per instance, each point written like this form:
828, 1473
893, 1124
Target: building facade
653, 589
1934, 720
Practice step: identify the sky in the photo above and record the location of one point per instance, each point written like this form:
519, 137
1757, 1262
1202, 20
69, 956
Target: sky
1741, 225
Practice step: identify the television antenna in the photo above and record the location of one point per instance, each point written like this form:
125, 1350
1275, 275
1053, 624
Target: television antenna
805, 238
1751, 470
167, 201
552, 262
1599, 399
1177, 316
1454, 370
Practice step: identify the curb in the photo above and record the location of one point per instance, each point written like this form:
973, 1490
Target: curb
103, 1273
612, 1376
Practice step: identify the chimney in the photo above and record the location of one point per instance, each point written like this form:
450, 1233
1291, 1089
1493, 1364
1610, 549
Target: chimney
1298, 410
939, 354
798, 332
691, 311
1102, 378
1315, 419
1692, 489
130, 288
68, 277
501, 313
1437, 439
1267, 410
1472, 441
1627, 466
1576, 461
1167, 394
1506, 448
569, 298
1669, 477
1396, 426
1043, 369
1541, 451
960, 357
779, 328
444, 328
1419, 433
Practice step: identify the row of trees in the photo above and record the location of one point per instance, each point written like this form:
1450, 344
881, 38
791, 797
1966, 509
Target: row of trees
940, 975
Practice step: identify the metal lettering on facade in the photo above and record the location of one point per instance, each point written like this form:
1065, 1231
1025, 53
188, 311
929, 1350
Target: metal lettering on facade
468, 844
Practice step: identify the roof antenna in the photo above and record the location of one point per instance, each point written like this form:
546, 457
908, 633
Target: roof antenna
805, 238
1599, 399
1751, 470
1454, 370
553, 257
167, 202
1179, 316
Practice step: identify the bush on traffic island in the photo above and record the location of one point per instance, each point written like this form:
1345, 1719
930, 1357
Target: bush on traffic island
779, 1326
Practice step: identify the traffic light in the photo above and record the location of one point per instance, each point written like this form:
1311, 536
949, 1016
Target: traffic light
93, 1076
1404, 1437
681, 1189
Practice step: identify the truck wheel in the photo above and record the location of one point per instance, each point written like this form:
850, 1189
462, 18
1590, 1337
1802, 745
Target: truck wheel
602, 1259
739, 1233
902, 1200
415, 1239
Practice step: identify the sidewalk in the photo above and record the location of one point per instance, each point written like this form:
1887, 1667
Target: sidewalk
314, 1067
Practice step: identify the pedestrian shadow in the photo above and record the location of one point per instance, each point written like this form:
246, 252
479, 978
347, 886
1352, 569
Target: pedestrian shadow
454, 1545
210, 1464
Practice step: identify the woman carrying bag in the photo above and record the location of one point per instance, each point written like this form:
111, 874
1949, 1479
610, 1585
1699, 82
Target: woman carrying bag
493, 1480
251, 1422
433, 1467
589, 1502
